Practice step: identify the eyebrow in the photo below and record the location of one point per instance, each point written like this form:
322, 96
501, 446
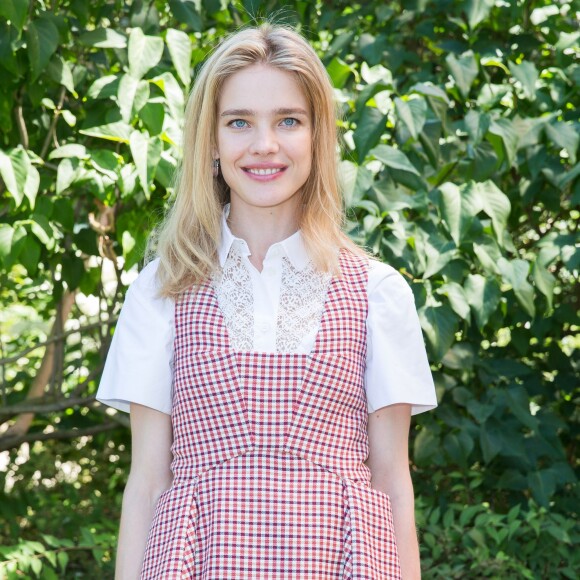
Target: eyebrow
250, 113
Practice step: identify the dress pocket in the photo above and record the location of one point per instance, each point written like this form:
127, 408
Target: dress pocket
372, 534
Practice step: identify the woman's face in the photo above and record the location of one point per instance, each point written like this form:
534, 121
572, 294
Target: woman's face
264, 137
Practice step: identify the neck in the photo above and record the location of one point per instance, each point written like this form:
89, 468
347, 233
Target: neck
261, 227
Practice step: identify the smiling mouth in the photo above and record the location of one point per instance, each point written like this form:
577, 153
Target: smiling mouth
271, 171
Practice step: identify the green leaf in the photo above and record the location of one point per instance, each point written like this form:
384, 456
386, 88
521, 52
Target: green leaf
519, 403
504, 129
60, 71
42, 229
106, 162
188, 12
391, 197
459, 206
62, 560
8, 38
483, 295
370, 127
426, 446
542, 485
477, 125
564, 136
126, 95
394, 158
15, 11
116, 131
339, 72
496, 205
527, 74
68, 171
73, 270
488, 253
490, 441
477, 11
20, 177
6, 235
515, 272
42, 41
355, 181
173, 94
439, 325
438, 252
144, 52
457, 298
544, 280
428, 89
69, 150
103, 38
430, 138
464, 71
180, 47
30, 255
146, 154
153, 115
104, 87
412, 114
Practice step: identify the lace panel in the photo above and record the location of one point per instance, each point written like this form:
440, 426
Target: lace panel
302, 299
233, 288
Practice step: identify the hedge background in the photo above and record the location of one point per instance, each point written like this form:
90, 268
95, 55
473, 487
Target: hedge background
460, 169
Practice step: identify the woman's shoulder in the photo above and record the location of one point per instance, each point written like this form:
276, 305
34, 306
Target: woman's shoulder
386, 281
144, 290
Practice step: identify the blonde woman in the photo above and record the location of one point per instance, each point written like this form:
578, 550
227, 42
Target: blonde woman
270, 368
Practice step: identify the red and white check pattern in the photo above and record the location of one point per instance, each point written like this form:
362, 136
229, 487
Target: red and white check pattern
269, 451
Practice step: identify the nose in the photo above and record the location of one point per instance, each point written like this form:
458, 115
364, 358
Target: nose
264, 142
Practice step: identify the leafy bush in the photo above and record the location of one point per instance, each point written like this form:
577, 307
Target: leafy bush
459, 168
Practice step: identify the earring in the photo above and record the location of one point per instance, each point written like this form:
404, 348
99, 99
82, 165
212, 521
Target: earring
216, 167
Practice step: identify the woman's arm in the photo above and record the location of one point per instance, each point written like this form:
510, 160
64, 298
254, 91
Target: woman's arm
151, 436
388, 431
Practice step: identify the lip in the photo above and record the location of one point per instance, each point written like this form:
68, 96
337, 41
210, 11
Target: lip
264, 178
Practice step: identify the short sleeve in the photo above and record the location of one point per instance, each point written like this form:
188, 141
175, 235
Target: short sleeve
397, 369
139, 365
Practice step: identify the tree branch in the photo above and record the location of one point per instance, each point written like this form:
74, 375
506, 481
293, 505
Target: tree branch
52, 127
41, 405
56, 338
11, 442
23, 422
22, 130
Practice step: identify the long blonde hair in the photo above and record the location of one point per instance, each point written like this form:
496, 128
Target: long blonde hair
189, 236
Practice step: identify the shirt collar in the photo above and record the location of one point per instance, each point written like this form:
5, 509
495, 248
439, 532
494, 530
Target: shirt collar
292, 247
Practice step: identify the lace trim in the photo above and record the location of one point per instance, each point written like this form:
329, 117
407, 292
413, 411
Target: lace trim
233, 288
302, 298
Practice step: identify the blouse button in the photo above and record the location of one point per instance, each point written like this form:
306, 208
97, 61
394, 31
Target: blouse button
264, 327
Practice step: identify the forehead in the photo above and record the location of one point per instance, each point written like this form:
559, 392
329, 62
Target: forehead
262, 87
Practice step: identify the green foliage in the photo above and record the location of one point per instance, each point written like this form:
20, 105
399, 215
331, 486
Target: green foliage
460, 169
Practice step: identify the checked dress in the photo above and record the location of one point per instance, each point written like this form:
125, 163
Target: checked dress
269, 450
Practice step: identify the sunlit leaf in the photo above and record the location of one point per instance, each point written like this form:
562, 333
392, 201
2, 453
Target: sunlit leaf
464, 71
527, 74
144, 52
516, 273
180, 48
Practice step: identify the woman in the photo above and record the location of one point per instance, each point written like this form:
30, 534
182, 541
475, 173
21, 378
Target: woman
270, 368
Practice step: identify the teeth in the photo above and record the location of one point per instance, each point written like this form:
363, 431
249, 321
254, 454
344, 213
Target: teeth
264, 171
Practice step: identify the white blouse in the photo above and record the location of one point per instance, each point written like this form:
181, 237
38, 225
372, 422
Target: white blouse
275, 310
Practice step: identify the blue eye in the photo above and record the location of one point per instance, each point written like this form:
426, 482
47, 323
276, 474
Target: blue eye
291, 123
238, 123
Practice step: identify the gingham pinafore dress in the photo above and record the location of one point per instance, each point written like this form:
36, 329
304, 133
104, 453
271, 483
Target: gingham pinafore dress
269, 451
